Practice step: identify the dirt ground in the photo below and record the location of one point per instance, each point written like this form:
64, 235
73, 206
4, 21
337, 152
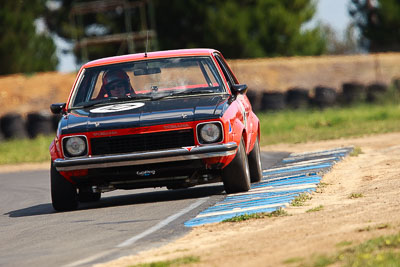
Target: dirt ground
270, 241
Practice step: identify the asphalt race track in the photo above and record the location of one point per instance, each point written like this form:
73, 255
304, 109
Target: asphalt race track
122, 223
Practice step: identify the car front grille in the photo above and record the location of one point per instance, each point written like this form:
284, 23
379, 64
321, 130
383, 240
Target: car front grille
141, 142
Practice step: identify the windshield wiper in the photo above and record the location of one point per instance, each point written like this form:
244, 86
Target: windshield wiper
185, 92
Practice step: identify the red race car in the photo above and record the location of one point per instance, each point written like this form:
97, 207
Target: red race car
173, 118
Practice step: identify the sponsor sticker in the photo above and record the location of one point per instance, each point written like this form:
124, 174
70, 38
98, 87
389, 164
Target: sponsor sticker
117, 107
146, 172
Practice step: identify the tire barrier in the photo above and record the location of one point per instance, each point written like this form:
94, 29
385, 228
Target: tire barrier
13, 126
376, 91
353, 92
273, 101
255, 99
39, 123
1, 135
297, 98
324, 96
396, 83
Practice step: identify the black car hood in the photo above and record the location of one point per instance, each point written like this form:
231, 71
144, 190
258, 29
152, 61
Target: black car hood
144, 113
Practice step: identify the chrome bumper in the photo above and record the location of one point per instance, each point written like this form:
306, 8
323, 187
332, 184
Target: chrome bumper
197, 152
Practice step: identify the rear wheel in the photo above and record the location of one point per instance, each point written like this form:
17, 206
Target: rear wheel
63, 194
255, 163
236, 175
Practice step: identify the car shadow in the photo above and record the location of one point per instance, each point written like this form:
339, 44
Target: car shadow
268, 159
129, 199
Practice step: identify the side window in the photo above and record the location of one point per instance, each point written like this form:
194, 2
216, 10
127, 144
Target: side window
226, 71
97, 87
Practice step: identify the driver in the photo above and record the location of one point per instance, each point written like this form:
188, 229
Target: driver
117, 84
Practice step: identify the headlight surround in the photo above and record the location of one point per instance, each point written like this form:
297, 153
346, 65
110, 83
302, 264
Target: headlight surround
209, 133
75, 146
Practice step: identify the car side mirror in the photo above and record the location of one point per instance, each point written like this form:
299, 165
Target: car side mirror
239, 88
57, 108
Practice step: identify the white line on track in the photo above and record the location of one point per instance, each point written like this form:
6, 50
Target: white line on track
135, 238
90, 259
161, 224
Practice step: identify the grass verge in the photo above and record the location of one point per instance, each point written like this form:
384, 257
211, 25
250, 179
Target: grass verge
318, 208
277, 213
300, 199
380, 251
298, 126
170, 263
25, 150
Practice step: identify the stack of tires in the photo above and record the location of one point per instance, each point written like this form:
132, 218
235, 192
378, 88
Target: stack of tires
321, 97
13, 126
376, 91
16, 126
353, 92
273, 101
297, 98
254, 97
324, 97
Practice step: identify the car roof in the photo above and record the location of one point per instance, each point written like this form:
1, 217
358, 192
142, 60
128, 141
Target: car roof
150, 55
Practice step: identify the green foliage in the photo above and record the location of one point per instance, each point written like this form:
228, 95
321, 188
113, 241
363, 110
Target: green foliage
380, 251
297, 126
260, 215
170, 263
22, 49
318, 208
378, 22
25, 150
300, 199
239, 29
356, 195
356, 151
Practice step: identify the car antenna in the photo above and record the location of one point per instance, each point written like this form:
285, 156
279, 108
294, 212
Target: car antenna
147, 43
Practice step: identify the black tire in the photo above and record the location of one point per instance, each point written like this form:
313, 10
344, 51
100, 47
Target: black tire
353, 92
273, 101
255, 163
236, 176
324, 97
63, 194
39, 123
297, 98
376, 92
13, 126
255, 99
86, 196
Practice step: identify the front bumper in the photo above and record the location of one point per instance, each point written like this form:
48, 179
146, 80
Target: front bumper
139, 158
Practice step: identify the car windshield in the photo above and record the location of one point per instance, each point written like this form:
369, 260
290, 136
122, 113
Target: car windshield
150, 79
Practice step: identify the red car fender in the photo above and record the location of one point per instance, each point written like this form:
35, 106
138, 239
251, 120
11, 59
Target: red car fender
55, 153
54, 148
254, 131
233, 128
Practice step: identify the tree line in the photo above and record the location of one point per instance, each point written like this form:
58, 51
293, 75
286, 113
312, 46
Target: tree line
238, 28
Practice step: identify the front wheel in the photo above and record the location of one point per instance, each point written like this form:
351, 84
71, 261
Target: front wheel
63, 194
255, 163
236, 176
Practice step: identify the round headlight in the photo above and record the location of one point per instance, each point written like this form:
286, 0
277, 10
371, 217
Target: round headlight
75, 146
210, 133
